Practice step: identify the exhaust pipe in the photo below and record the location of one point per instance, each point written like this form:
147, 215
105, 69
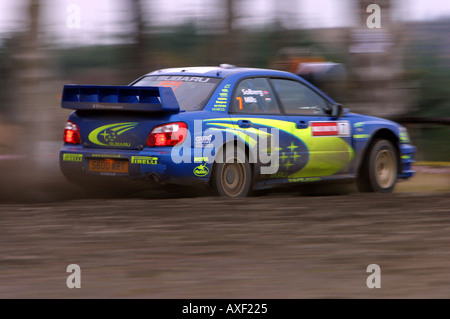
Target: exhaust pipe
154, 178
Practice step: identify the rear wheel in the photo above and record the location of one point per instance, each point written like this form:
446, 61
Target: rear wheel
232, 177
380, 167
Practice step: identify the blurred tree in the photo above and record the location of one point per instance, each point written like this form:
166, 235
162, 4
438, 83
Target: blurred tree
5, 76
139, 51
28, 65
229, 16
229, 49
29, 96
33, 16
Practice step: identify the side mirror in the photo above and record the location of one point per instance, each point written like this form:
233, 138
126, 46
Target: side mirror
336, 110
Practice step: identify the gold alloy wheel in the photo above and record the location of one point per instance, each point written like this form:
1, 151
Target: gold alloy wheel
233, 178
385, 168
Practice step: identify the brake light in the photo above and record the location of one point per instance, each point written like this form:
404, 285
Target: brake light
168, 134
71, 133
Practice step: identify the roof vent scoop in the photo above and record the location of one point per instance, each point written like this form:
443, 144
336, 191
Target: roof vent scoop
227, 66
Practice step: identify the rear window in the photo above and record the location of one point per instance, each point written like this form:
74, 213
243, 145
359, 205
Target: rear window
192, 92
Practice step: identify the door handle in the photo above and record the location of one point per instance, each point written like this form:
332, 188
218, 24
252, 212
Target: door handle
302, 124
244, 123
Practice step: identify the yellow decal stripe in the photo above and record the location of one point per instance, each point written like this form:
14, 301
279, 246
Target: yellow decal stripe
320, 161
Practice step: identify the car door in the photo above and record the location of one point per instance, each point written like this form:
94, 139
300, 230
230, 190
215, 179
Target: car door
327, 140
255, 111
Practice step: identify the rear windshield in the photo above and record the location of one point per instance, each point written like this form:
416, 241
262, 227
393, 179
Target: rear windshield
192, 92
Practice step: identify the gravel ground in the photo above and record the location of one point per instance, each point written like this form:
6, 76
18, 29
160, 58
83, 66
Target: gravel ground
275, 245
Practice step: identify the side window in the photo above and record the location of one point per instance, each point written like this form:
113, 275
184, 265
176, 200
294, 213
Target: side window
297, 98
254, 96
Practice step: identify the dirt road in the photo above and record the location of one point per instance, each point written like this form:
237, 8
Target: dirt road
271, 246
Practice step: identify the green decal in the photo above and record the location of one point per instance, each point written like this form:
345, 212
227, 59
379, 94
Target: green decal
73, 157
327, 155
145, 160
361, 136
404, 138
304, 179
107, 134
201, 170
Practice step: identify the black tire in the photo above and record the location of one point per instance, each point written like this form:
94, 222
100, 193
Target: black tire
232, 174
379, 169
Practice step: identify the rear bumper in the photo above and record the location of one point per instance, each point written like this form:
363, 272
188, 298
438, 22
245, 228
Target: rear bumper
154, 165
407, 152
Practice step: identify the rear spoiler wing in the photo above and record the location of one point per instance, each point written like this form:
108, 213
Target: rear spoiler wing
123, 98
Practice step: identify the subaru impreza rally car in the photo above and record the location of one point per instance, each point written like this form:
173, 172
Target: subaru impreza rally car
232, 129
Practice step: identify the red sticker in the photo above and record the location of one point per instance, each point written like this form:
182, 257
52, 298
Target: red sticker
324, 129
171, 84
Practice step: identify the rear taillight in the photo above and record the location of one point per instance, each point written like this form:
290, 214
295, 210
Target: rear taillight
71, 133
169, 134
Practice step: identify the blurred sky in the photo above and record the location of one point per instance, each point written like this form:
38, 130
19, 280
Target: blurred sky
102, 18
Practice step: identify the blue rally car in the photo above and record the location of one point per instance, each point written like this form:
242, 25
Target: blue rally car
232, 129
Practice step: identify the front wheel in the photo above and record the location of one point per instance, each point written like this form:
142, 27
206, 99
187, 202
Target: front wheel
232, 175
379, 170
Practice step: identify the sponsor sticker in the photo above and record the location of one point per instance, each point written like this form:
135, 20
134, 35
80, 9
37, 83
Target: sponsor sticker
73, 157
221, 102
200, 159
201, 170
203, 141
144, 160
